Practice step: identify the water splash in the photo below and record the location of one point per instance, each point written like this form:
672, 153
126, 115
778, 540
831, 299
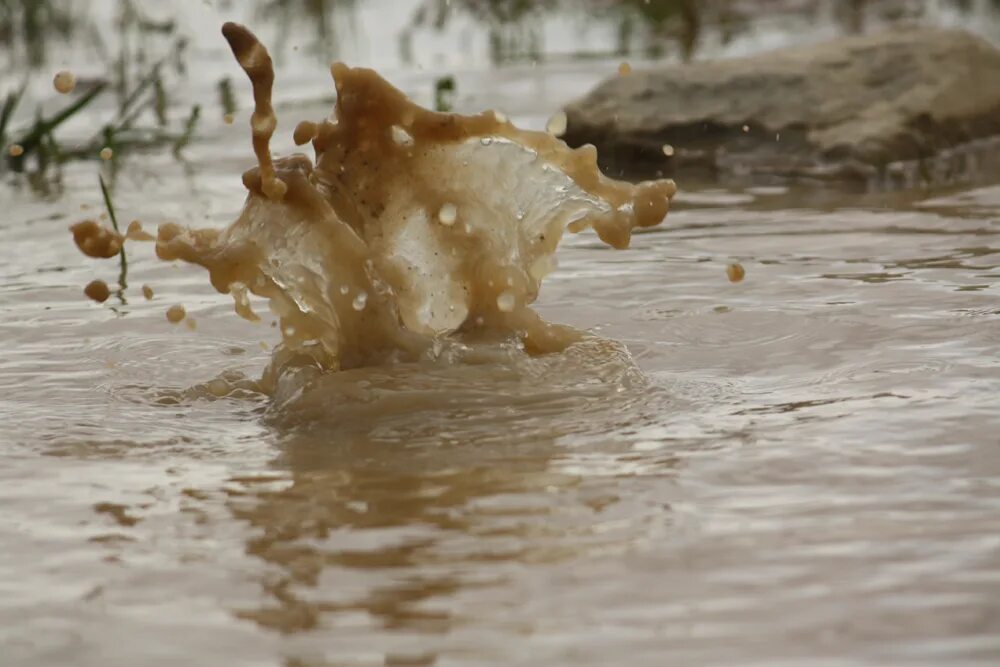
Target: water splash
358, 250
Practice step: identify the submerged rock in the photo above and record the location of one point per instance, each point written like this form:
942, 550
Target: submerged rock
857, 108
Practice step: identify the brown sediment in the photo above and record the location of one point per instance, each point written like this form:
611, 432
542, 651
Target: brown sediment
412, 228
256, 62
147, 292
95, 240
97, 290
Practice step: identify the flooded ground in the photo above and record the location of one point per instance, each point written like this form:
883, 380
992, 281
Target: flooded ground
801, 468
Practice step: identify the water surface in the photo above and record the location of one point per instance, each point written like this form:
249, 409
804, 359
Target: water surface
803, 469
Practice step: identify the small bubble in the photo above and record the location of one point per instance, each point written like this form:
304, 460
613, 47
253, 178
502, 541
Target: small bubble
106, 153
176, 313
288, 330
344, 289
506, 301
486, 141
360, 301
448, 214
480, 321
16, 150
735, 272
556, 126
668, 150
400, 136
746, 128
64, 82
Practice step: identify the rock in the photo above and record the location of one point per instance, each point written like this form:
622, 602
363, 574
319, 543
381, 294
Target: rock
858, 108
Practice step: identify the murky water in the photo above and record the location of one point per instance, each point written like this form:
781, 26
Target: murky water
800, 468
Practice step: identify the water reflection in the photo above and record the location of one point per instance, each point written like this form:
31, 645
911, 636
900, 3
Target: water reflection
408, 487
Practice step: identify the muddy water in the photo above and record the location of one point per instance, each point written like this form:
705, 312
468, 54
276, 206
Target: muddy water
800, 468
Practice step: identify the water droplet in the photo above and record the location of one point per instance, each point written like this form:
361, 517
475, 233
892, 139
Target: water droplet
506, 301
448, 214
735, 272
97, 290
175, 314
360, 301
64, 82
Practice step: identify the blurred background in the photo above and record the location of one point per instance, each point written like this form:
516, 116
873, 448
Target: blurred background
168, 73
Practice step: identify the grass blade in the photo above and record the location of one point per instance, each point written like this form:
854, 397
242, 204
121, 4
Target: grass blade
123, 275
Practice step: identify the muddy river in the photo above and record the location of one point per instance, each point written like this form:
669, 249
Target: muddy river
801, 467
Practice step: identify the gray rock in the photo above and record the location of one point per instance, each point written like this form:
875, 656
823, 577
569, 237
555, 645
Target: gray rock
857, 108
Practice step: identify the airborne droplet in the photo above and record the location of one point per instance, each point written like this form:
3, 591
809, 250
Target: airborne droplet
97, 290
64, 82
735, 272
176, 313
